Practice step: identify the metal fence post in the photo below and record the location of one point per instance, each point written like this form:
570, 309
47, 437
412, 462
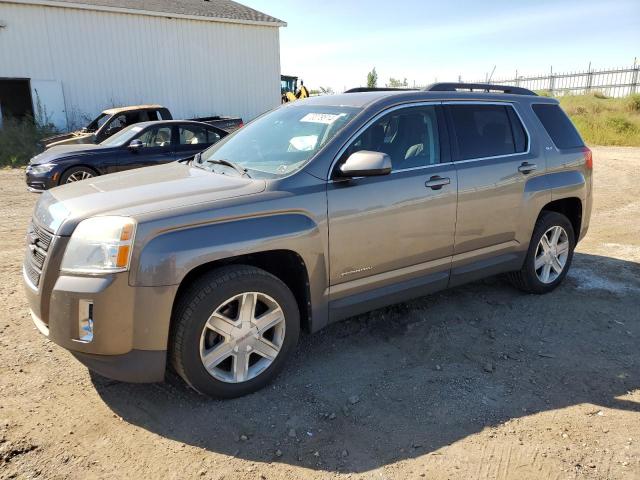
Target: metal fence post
589, 78
551, 82
634, 78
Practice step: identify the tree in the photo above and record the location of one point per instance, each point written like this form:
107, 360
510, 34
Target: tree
395, 83
372, 78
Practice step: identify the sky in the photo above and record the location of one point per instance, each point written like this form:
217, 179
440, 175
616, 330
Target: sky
334, 43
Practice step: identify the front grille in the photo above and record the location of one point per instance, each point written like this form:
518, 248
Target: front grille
38, 243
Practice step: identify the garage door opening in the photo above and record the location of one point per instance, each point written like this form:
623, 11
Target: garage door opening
15, 99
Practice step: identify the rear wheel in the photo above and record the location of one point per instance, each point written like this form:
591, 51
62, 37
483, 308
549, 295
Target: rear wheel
549, 255
233, 330
75, 174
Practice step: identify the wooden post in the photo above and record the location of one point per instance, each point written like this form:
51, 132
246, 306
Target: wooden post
551, 82
634, 78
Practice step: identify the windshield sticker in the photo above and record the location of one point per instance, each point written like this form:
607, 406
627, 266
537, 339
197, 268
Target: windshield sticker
325, 118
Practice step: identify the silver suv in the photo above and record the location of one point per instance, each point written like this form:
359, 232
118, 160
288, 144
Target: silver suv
316, 211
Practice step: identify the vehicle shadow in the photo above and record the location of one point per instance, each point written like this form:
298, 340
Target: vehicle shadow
407, 380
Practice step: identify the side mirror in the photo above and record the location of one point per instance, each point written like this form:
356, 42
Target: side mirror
135, 145
366, 164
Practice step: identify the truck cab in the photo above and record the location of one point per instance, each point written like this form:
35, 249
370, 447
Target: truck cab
109, 122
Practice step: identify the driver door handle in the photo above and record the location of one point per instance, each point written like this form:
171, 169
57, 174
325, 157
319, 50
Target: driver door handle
527, 167
437, 182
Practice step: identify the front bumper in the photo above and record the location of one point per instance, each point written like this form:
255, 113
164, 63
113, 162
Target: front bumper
39, 182
130, 324
137, 366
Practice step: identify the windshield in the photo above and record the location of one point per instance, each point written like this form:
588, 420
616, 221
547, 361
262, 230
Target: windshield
97, 123
280, 142
123, 136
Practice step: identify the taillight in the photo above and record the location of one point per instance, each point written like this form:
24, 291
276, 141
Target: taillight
588, 158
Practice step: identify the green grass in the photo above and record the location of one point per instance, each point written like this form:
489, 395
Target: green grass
605, 121
19, 141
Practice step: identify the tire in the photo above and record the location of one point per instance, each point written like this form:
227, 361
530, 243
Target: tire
75, 174
197, 335
532, 280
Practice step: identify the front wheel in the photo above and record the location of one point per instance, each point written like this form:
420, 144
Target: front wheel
233, 330
549, 255
75, 174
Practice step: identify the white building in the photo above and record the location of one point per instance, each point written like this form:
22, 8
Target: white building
69, 60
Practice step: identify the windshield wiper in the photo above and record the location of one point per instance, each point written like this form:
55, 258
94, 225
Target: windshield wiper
242, 171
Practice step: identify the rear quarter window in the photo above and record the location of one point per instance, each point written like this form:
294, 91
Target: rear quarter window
558, 126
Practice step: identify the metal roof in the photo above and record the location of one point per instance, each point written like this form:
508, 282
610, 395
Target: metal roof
220, 10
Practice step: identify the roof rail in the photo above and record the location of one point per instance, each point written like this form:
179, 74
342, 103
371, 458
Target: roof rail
484, 87
380, 89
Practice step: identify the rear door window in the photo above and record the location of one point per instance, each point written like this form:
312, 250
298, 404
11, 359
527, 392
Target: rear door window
192, 135
482, 131
558, 126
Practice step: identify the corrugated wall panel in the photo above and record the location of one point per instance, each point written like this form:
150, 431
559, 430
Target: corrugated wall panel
195, 68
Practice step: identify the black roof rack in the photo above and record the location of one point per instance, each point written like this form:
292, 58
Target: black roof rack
484, 87
379, 89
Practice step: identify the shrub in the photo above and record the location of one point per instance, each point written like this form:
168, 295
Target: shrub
19, 141
633, 102
621, 125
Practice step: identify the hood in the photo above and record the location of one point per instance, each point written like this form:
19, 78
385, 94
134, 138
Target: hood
140, 191
78, 136
64, 151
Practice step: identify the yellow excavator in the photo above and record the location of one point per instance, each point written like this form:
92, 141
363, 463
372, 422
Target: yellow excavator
289, 89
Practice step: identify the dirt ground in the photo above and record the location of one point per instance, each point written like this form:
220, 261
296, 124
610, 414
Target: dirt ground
480, 381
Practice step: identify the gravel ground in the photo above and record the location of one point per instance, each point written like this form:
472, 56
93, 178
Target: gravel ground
476, 382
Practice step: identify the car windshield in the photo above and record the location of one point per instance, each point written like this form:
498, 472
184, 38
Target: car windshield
97, 123
280, 142
122, 137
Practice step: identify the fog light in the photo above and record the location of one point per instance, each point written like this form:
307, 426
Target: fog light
85, 321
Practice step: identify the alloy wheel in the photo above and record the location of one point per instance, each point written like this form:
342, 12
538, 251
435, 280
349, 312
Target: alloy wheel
552, 253
242, 337
79, 175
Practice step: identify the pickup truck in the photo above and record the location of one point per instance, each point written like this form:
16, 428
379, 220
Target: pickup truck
113, 120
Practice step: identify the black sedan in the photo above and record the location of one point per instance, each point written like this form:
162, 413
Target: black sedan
139, 145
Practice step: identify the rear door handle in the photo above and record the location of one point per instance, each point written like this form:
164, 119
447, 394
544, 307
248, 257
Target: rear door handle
527, 167
437, 182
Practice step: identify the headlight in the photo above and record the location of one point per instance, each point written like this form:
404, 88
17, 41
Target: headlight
41, 168
100, 245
